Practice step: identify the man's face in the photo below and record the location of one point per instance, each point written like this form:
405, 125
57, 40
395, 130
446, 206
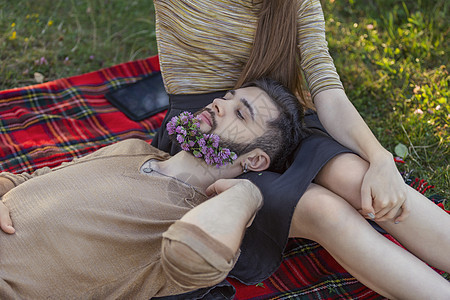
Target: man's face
240, 116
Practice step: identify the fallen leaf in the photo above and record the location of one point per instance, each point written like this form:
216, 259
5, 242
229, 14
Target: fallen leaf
401, 150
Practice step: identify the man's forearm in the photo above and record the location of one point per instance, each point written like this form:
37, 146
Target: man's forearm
344, 124
225, 216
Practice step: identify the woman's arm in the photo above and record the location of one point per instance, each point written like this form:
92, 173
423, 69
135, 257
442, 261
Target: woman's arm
383, 190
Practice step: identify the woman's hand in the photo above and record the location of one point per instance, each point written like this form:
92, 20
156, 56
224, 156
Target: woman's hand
383, 191
5, 219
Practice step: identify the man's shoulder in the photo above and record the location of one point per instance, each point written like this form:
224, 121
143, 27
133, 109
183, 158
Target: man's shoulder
136, 147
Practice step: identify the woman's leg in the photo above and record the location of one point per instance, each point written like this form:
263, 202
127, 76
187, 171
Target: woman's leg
425, 232
383, 266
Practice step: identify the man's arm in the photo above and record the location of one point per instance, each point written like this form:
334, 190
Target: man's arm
226, 216
202, 247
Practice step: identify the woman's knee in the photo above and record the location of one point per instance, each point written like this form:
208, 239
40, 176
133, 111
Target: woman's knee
319, 210
344, 175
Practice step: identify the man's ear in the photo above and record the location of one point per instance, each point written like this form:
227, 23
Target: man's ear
257, 160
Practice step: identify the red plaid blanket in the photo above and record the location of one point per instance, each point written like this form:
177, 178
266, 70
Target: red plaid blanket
50, 123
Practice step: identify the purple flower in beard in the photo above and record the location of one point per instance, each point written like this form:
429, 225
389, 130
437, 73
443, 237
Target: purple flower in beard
186, 126
181, 130
185, 147
180, 138
170, 128
201, 142
204, 149
215, 140
184, 120
171, 125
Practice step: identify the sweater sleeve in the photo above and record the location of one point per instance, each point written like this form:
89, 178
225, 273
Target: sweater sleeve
22, 177
316, 62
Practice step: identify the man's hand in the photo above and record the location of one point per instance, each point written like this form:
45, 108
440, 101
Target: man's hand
245, 185
383, 192
5, 185
5, 219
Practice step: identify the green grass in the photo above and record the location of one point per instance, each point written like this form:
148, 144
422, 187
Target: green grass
60, 38
392, 57
393, 60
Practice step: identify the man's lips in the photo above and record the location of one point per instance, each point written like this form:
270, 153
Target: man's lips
206, 117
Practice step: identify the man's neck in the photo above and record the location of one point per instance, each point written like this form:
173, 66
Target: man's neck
194, 171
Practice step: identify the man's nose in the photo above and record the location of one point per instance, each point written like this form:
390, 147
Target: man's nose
219, 107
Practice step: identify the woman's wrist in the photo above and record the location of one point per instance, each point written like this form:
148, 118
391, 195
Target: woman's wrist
381, 156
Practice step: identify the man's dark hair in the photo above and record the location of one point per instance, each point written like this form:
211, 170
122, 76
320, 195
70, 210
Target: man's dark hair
285, 133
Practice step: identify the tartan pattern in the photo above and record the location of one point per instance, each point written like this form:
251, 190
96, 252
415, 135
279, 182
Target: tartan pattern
308, 271
53, 122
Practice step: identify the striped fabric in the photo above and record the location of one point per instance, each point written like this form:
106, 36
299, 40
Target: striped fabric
50, 123
204, 44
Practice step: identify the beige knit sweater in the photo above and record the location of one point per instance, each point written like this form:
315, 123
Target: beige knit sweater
91, 228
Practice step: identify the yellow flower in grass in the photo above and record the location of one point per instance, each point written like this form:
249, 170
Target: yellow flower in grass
13, 35
13, 25
50, 23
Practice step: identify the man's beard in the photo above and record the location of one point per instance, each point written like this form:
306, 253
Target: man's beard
238, 148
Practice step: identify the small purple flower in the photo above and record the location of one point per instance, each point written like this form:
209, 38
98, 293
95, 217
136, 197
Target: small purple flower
185, 147
215, 140
184, 120
201, 142
170, 128
180, 138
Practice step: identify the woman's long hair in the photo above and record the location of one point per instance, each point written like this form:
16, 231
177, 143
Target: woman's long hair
274, 53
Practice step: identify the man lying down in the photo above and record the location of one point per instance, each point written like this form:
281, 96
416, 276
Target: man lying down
129, 221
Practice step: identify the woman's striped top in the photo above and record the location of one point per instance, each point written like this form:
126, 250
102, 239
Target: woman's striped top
204, 44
